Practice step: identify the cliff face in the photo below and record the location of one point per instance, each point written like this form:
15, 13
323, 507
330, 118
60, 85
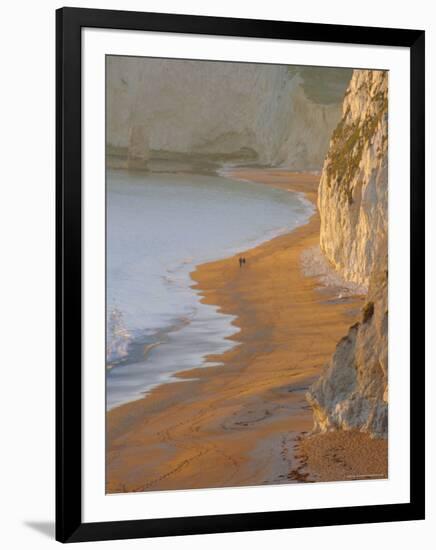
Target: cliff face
234, 112
352, 393
353, 190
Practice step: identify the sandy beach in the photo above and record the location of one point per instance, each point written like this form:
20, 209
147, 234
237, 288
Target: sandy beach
241, 423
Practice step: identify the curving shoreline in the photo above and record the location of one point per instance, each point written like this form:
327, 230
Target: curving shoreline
239, 423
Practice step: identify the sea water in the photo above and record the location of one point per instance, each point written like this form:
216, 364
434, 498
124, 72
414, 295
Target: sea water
159, 227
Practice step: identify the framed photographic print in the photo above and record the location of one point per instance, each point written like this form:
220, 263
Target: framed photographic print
240, 274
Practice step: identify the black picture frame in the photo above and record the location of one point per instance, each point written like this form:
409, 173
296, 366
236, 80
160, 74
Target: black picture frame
69, 23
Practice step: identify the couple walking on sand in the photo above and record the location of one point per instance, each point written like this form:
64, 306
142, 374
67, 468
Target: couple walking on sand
241, 262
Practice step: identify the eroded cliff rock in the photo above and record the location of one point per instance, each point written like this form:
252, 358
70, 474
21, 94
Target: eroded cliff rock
219, 112
352, 392
353, 189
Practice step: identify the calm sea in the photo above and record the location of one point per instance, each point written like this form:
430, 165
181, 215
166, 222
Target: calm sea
159, 227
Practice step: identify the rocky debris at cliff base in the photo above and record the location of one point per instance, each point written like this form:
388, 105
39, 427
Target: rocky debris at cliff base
315, 264
340, 456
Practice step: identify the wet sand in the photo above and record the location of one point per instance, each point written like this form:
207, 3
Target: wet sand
239, 423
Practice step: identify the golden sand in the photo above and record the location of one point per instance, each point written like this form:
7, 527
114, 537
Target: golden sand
341, 455
238, 423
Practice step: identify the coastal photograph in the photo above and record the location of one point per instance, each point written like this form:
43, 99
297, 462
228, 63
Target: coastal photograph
246, 274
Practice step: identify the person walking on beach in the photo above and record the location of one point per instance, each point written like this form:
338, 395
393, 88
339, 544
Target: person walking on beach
240, 262
243, 260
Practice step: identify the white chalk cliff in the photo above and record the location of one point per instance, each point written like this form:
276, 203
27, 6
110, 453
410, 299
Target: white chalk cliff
352, 393
353, 191
224, 112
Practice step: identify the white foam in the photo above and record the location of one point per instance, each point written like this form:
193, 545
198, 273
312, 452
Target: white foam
159, 229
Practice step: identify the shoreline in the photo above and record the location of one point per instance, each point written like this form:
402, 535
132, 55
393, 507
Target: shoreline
238, 423
134, 376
